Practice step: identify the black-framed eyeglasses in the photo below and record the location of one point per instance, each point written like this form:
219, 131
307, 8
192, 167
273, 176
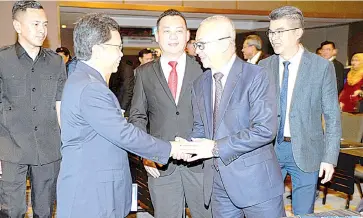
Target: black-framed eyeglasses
119, 46
201, 45
270, 33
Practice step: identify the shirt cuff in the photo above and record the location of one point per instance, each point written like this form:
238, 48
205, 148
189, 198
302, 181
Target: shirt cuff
215, 150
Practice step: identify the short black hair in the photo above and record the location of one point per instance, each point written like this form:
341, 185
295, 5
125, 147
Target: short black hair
327, 43
23, 5
171, 12
64, 50
144, 52
317, 50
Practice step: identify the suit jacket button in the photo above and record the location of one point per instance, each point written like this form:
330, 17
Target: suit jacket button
177, 113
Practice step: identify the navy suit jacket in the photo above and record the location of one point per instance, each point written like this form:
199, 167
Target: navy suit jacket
245, 127
94, 179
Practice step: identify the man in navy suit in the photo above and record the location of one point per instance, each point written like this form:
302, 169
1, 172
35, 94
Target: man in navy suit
94, 180
235, 122
306, 91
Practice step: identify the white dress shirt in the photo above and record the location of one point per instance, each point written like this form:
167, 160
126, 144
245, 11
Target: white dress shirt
180, 70
225, 71
332, 58
255, 58
293, 71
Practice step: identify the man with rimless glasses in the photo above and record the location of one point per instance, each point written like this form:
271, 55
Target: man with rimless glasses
306, 90
235, 121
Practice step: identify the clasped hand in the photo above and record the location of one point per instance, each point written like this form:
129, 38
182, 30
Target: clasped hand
183, 149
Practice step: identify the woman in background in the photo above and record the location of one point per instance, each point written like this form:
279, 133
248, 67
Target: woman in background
352, 92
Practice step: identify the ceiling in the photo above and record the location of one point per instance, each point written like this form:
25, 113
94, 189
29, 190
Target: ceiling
147, 19
136, 18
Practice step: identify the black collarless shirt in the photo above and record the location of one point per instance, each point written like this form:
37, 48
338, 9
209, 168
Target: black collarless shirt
29, 89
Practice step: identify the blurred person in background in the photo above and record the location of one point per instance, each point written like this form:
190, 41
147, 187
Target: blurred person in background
352, 92
190, 49
157, 52
145, 56
66, 55
122, 84
252, 49
329, 52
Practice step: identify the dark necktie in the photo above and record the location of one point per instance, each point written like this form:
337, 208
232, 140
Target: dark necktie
283, 102
173, 79
217, 97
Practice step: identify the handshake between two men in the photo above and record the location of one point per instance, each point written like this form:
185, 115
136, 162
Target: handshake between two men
181, 149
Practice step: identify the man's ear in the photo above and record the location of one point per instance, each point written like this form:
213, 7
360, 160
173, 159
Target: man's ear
140, 59
335, 52
17, 26
96, 51
300, 33
157, 36
188, 35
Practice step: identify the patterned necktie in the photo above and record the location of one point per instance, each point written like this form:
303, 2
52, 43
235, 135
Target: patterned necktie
173, 78
217, 97
283, 102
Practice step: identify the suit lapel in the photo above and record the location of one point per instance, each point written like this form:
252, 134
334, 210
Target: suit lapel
207, 96
159, 73
275, 65
232, 80
301, 77
187, 77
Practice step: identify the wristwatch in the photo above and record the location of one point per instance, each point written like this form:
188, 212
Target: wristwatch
215, 151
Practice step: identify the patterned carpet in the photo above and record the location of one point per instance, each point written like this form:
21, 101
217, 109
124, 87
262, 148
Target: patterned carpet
334, 201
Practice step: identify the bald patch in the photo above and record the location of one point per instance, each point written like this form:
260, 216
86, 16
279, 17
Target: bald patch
219, 25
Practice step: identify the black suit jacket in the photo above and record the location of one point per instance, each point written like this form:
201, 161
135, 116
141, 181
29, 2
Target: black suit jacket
122, 84
339, 71
153, 103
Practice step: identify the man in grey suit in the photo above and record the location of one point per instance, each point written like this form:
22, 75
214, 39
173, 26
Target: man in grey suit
162, 98
306, 91
235, 122
94, 179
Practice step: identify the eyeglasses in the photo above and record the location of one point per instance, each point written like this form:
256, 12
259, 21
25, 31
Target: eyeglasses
270, 33
201, 45
119, 46
246, 46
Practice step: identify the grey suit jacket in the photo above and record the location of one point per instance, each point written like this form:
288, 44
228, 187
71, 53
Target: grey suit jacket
314, 95
153, 102
94, 179
245, 128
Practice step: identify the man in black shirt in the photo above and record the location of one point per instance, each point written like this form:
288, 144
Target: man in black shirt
32, 80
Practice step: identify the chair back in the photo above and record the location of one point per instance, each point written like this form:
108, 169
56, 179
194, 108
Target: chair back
352, 126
